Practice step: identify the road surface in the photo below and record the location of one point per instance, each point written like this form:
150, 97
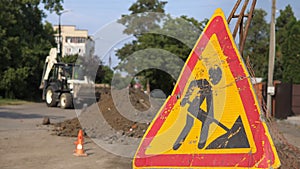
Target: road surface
24, 143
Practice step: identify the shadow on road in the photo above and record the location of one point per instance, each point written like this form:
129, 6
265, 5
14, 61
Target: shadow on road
15, 115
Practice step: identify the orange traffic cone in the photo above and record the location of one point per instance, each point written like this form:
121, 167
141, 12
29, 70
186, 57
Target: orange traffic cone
79, 151
79, 136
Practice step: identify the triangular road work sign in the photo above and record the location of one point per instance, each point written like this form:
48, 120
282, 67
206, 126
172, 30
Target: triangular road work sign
212, 119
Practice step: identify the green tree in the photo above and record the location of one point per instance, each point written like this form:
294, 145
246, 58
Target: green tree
283, 23
14, 81
288, 45
161, 46
257, 43
69, 58
24, 44
291, 54
104, 74
147, 14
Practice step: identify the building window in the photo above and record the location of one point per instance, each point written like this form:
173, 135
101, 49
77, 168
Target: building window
69, 50
56, 39
71, 39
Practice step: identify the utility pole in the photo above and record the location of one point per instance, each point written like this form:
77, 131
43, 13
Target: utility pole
60, 46
59, 38
271, 89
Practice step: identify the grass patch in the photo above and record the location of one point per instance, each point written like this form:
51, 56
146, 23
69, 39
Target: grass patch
12, 102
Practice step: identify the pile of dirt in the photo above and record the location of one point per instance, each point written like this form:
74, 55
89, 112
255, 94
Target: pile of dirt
68, 128
119, 121
288, 154
105, 121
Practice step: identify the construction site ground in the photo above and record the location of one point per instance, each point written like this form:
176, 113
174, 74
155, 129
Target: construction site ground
26, 143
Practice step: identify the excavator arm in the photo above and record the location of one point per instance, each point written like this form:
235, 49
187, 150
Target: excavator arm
49, 63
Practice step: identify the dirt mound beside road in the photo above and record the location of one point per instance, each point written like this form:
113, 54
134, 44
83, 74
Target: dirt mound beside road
289, 155
104, 118
68, 128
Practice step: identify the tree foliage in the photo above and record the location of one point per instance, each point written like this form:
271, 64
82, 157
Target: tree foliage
53, 5
291, 55
160, 31
283, 23
288, 44
24, 44
257, 43
69, 58
144, 16
161, 46
287, 58
104, 74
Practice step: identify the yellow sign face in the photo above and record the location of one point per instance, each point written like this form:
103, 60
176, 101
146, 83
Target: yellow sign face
226, 110
212, 119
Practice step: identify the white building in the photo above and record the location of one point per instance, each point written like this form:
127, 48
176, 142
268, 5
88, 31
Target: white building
73, 40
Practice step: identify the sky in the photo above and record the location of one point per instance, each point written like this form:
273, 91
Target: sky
97, 15
94, 14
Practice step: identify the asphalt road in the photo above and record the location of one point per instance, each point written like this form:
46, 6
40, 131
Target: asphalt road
24, 143
27, 116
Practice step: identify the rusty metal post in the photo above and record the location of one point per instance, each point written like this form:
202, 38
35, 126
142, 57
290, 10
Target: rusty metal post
241, 34
237, 4
240, 17
243, 30
250, 16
